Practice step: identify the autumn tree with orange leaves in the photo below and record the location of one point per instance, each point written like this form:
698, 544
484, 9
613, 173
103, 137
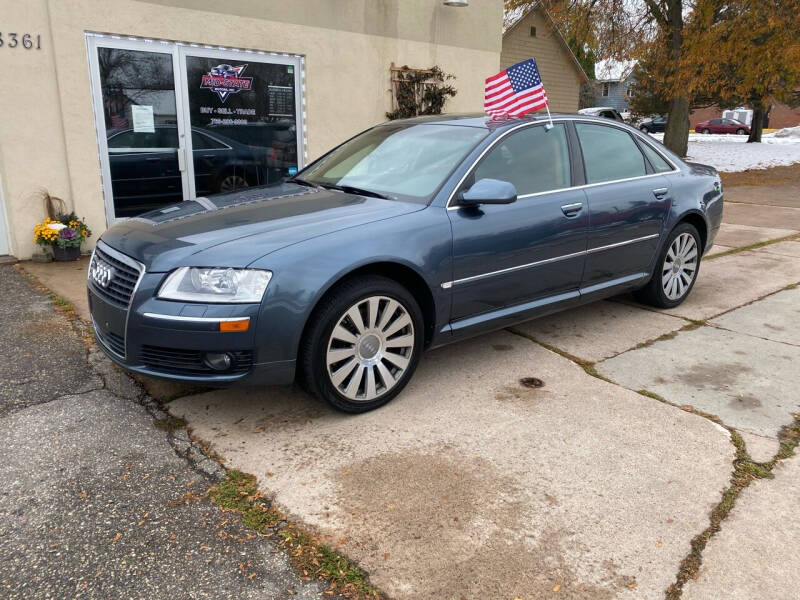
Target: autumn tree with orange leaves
631, 29
745, 53
695, 52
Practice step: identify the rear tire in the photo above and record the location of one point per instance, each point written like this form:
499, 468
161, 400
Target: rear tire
362, 344
676, 269
740, 131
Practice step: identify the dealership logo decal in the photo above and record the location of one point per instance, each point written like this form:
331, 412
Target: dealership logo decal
226, 80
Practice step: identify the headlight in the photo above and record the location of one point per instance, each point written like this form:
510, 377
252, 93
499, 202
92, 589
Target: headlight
195, 284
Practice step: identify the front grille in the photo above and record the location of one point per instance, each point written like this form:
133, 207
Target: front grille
120, 289
190, 362
111, 341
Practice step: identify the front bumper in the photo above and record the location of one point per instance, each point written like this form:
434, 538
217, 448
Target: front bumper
168, 339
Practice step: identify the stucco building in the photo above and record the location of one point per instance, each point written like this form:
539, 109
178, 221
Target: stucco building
117, 106
532, 33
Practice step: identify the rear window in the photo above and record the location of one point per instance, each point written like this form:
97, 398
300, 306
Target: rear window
609, 153
659, 164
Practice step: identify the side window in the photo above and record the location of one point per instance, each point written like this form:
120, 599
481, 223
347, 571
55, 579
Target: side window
203, 142
716, 121
534, 160
609, 153
164, 137
659, 164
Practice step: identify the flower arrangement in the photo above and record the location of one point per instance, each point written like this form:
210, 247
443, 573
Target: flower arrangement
65, 231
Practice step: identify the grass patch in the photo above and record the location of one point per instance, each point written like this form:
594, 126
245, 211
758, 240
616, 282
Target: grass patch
238, 493
745, 471
754, 246
171, 423
62, 303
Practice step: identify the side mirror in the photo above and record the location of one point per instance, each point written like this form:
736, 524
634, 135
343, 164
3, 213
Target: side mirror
489, 191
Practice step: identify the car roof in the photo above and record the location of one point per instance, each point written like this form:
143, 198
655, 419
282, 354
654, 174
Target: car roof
484, 121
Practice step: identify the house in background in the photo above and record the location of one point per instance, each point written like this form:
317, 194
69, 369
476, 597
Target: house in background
531, 33
615, 83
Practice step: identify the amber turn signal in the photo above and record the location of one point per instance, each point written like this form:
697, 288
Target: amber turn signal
237, 325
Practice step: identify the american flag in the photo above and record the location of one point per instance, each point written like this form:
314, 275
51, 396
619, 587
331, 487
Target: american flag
515, 91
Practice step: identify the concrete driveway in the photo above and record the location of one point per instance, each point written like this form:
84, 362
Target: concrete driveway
472, 485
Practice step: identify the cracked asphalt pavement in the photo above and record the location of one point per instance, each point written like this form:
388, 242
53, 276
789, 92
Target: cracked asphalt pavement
95, 502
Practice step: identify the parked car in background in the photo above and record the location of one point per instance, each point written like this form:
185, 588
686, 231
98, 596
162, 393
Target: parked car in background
722, 126
607, 112
654, 125
414, 234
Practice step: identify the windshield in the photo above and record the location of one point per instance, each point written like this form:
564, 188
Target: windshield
408, 162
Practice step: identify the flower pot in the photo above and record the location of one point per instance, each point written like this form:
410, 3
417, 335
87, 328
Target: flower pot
68, 253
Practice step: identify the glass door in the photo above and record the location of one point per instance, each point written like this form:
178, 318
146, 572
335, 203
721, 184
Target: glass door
241, 108
140, 125
178, 121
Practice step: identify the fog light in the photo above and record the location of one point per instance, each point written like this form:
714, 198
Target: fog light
219, 361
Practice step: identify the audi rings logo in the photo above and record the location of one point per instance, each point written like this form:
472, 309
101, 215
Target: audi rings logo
101, 273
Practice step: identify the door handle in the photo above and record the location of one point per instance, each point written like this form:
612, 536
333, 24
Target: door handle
660, 192
571, 210
181, 158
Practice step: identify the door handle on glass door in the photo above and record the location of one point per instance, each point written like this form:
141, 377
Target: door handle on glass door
571, 210
660, 192
182, 158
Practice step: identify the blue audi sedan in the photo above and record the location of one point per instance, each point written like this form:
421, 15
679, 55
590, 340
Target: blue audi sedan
411, 235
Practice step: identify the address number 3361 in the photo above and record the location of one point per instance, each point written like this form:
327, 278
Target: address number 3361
28, 41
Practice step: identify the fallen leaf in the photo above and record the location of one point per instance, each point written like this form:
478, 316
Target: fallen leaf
687, 408
268, 474
659, 544
385, 555
84, 495
116, 537
556, 587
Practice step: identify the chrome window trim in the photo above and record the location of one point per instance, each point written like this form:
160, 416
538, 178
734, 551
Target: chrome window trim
625, 243
449, 284
164, 317
675, 168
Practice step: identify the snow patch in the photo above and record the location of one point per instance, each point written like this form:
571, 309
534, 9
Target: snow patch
788, 132
732, 152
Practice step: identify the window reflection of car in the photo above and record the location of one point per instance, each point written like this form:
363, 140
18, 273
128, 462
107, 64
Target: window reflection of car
656, 124
145, 172
279, 138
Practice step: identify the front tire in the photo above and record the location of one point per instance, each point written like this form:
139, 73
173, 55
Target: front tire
740, 131
363, 344
676, 269
706, 131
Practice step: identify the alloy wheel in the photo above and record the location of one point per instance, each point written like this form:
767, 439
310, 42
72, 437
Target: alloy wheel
232, 182
370, 348
680, 266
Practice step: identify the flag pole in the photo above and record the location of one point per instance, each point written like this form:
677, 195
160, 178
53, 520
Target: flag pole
549, 125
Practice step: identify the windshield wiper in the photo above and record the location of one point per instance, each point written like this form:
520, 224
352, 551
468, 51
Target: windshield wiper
349, 189
305, 182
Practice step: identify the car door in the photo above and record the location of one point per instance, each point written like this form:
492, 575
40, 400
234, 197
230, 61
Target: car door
506, 255
715, 125
628, 201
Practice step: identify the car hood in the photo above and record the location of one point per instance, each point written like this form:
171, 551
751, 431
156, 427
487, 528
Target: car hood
233, 230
